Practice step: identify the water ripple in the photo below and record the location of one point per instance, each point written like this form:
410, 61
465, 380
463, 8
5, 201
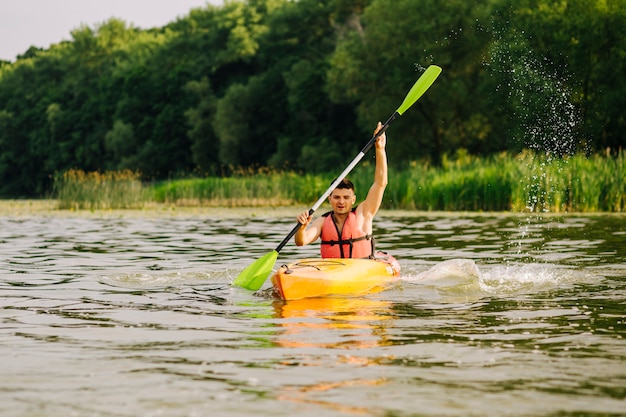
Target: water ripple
136, 316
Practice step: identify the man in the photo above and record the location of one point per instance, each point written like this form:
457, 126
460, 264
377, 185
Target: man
347, 232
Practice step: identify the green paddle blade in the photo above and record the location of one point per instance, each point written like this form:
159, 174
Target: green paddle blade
421, 85
255, 274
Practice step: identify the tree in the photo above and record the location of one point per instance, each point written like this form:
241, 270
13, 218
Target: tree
302, 35
204, 143
381, 56
565, 56
301, 84
246, 125
121, 145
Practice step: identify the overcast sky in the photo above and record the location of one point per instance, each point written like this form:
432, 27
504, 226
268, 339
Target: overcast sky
24, 23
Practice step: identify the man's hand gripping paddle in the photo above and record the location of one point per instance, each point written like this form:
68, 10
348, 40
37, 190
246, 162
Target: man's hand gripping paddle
255, 274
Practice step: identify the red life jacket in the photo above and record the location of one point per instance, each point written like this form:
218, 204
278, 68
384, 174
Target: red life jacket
352, 244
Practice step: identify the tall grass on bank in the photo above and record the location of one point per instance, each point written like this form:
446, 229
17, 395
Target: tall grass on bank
261, 188
570, 184
76, 189
527, 182
464, 183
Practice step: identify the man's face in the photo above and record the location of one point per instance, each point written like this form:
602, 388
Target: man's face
342, 200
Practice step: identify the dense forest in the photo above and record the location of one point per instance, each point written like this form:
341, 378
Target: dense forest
300, 85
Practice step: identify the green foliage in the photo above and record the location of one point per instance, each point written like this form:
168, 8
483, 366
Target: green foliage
76, 190
244, 189
244, 121
554, 63
204, 143
120, 143
301, 84
463, 183
385, 52
527, 182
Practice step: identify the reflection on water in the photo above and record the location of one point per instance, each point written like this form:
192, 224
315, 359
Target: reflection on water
310, 322
495, 315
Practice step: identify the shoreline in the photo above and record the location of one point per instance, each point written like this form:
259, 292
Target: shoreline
49, 208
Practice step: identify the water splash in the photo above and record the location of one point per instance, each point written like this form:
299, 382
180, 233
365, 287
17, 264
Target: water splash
537, 90
450, 281
450, 272
159, 280
544, 120
525, 278
456, 277
543, 117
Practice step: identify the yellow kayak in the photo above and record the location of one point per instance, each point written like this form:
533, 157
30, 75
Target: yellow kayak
317, 277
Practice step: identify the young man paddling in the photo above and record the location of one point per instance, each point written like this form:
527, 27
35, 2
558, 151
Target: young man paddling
347, 232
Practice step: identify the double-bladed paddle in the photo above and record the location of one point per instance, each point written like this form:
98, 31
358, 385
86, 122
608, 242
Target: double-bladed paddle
255, 274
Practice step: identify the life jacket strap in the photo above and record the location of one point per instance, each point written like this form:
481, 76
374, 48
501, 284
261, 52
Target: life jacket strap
350, 243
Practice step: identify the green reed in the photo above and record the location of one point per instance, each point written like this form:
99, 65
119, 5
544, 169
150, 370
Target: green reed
261, 188
462, 184
76, 189
571, 184
528, 182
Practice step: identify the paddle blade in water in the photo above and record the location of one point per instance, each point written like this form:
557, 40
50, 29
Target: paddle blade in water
422, 84
253, 277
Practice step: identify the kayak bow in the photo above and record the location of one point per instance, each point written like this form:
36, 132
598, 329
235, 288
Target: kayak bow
316, 277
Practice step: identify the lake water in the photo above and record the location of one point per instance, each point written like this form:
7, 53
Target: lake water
118, 314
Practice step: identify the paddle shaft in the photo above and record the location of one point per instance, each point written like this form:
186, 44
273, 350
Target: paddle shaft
340, 178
